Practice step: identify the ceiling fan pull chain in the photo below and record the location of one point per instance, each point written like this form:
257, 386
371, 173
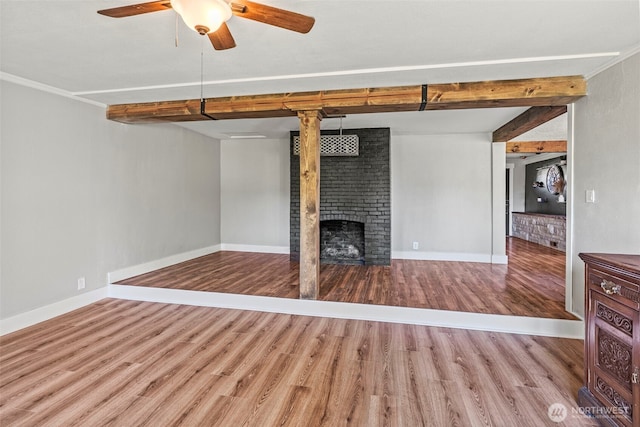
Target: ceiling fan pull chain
202, 69
176, 30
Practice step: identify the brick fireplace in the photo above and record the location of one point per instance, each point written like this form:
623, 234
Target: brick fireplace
355, 202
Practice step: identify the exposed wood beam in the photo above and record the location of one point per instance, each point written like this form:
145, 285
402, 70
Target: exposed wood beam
309, 204
530, 147
550, 91
530, 119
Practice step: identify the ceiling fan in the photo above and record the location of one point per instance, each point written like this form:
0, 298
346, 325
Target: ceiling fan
210, 16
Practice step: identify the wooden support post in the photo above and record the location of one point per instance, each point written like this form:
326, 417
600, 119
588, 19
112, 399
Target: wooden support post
309, 203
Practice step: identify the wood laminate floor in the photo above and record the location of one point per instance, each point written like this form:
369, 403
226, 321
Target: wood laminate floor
132, 363
532, 284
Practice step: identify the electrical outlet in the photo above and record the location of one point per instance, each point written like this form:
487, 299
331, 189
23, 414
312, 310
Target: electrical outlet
416, 246
81, 283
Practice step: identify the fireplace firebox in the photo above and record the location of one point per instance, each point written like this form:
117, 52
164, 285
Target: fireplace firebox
342, 242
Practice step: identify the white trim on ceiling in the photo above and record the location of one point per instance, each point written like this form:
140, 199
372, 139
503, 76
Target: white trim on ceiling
616, 57
363, 71
46, 88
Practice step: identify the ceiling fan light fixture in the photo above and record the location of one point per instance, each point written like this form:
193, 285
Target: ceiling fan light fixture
202, 16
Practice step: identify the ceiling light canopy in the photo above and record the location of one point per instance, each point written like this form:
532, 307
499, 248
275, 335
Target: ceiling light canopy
202, 16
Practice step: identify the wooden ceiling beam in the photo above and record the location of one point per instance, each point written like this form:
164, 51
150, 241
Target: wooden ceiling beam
552, 91
530, 119
537, 147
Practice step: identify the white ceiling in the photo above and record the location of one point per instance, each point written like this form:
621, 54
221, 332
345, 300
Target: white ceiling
66, 45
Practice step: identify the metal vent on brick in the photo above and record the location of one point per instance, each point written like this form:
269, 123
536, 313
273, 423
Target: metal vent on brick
333, 145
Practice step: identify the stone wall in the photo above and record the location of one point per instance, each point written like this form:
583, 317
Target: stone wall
546, 230
352, 189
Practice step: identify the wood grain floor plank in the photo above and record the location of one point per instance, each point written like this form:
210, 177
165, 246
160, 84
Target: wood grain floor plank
447, 409
409, 387
206, 406
64, 406
294, 408
478, 405
172, 403
189, 366
384, 411
65, 356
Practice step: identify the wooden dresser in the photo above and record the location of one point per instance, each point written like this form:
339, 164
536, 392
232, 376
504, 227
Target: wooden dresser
612, 339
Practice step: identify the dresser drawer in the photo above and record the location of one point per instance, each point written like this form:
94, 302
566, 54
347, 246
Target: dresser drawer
614, 287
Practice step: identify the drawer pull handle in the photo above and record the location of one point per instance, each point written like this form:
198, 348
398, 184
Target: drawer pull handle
609, 287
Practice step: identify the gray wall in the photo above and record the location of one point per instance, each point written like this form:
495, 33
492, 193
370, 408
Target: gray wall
606, 158
441, 193
255, 192
434, 200
83, 196
519, 176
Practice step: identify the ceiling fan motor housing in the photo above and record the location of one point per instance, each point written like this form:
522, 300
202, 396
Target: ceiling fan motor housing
203, 16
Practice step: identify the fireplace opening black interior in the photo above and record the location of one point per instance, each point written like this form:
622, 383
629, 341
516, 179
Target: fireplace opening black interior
342, 242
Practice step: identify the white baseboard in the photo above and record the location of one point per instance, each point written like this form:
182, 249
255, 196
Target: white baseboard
23, 320
450, 256
254, 248
146, 267
441, 256
416, 316
499, 259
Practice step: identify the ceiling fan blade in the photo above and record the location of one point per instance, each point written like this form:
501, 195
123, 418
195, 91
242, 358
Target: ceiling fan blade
272, 16
136, 9
221, 38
